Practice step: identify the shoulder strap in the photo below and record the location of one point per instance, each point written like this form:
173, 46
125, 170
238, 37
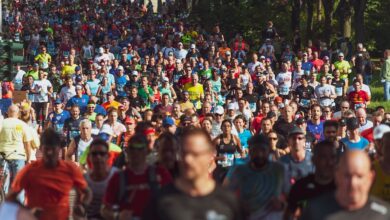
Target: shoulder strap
153, 181
76, 142
122, 185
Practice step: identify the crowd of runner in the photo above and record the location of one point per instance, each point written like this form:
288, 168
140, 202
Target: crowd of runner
150, 116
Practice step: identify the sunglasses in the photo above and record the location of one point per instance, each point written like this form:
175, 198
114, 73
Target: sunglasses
99, 153
273, 138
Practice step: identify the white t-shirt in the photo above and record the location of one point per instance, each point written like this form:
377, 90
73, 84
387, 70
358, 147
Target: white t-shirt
252, 66
66, 93
296, 78
325, 91
284, 83
18, 80
42, 88
366, 126
181, 54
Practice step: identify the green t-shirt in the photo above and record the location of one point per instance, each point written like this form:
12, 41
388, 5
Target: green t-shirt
144, 96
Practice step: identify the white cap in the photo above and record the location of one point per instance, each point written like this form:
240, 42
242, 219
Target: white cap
101, 50
120, 68
380, 130
341, 54
134, 73
193, 46
165, 79
219, 110
231, 106
107, 130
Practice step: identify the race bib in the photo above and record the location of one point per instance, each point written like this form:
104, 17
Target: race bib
284, 90
339, 91
305, 102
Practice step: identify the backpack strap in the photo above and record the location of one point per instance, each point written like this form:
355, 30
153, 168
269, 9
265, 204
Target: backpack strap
152, 178
122, 186
76, 143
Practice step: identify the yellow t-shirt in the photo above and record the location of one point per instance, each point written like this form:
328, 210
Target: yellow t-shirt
186, 105
13, 134
68, 70
43, 60
381, 186
344, 67
195, 91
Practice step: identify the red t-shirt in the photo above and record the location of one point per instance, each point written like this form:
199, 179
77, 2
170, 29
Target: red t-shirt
358, 98
256, 123
138, 190
49, 188
368, 134
184, 80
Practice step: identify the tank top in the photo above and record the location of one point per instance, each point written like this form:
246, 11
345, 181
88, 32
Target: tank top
93, 86
245, 81
98, 189
87, 52
166, 91
82, 146
227, 150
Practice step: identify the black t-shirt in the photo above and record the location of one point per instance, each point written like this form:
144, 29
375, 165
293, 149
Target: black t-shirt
339, 87
282, 127
327, 208
173, 204
305, 189
305, 92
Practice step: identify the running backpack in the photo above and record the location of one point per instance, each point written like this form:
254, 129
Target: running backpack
153, 183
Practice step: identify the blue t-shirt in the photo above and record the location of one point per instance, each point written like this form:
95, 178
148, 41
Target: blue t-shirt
306, 66
360, 145
120, 84
80, 101
244, 137
58, 120
316, 130
100, 110
298, 170
93, 86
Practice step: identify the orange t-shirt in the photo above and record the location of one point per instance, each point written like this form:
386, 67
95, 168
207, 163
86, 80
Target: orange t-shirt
49, 189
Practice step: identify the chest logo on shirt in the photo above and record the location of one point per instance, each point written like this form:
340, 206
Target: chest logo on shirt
213, 215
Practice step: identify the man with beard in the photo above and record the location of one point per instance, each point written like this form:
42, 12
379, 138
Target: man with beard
267, 177
315, 125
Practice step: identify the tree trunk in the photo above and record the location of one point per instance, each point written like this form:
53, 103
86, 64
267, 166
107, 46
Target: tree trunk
295, 14
359, 7
309, 26
319, 9
328, 11
344, 11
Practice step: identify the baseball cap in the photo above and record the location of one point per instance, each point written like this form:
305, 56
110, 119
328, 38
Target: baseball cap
168, 121
134, 73
326, 58
149, 131
352, 123
295, 130
259, 141
271, 114
129, 120
228, 53
79, 87
165, 79
77, 68
36, 64
178, 61
138, 141
262, 57
79, 78
101, 50
180, 43
193, 46
219, 110
380, 130
230, 106
300, 121
120, 68
341, 54
57, 101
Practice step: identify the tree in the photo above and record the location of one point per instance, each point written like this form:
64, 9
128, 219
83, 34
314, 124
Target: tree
344, 13
328, 11
295, 14
359, 8
309, 23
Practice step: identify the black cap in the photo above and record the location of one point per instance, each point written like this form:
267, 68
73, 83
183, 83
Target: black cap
296, 130
352, 123
259, 140
342, 122
300, 121
271, 114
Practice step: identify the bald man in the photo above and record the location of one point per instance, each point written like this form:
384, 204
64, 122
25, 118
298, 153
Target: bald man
15, 141
351, 199
365, 124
